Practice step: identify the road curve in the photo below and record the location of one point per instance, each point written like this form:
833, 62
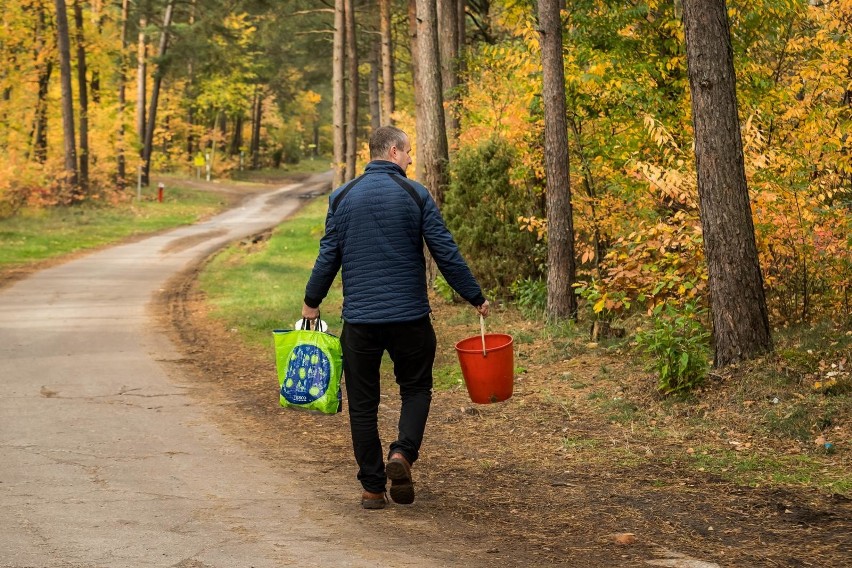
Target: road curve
106, 460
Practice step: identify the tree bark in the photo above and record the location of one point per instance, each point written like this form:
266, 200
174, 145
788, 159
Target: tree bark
83, 97
155, 96
352, 91
315, 151
431, 133
236, 136
561, 266
387, 62
737, 301
96, 74
45, 70
122, 96
256, 117
40, 128
419, 171
461, 22
374, 95
338, 111
190, 92
141, 81
448, 33
69, 136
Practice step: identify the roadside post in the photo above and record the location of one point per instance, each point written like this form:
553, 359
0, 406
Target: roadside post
160, 188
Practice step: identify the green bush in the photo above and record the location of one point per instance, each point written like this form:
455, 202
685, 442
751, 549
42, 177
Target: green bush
482, 209
530, 295
443, 289
678, 347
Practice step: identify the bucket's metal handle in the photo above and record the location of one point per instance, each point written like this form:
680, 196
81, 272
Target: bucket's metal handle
482, 331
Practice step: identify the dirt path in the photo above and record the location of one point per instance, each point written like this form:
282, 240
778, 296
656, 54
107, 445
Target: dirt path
108, 453
500, 481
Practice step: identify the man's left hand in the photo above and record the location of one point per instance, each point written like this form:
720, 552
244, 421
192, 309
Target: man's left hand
310, 313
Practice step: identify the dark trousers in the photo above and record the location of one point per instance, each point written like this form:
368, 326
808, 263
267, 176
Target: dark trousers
411, 346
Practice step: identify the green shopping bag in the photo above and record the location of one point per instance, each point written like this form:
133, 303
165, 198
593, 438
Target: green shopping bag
310, 366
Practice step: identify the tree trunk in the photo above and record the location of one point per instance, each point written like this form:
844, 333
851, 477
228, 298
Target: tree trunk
5, 97
431, 133
69, 136
375, 102
461, 22
387, 61
96, 74
39, 134
737, 301
122, 96
256, 117
338, 111
353, 90
190, 93
83, 97
419, 171
155, 95
212, 143
141, 81
561, 266
237, 136
449, 49
40, 127
316, 138
190, 136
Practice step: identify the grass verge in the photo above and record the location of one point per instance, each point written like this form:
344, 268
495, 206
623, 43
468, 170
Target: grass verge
35, 236
254, 289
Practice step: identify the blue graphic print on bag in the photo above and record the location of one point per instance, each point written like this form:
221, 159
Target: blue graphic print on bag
307, 377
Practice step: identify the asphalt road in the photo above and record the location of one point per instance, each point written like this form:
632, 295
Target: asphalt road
105, 458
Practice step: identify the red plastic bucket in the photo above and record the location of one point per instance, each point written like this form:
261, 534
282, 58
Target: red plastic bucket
490, 377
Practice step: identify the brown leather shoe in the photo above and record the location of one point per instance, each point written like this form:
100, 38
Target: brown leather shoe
370, 500
398, 471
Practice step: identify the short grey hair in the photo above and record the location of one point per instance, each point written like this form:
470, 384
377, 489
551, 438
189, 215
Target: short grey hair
385, 138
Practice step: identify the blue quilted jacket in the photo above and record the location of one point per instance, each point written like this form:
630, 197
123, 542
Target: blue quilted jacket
374, 231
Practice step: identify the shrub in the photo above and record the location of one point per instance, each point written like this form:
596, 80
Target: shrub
678, 347
443, 289
530, 295
482, 209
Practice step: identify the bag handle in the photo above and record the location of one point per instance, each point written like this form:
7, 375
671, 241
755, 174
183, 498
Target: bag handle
306, 323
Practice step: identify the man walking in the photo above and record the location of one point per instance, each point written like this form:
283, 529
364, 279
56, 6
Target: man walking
374, 231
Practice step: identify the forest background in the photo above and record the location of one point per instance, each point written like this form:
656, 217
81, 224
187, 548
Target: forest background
248, 87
